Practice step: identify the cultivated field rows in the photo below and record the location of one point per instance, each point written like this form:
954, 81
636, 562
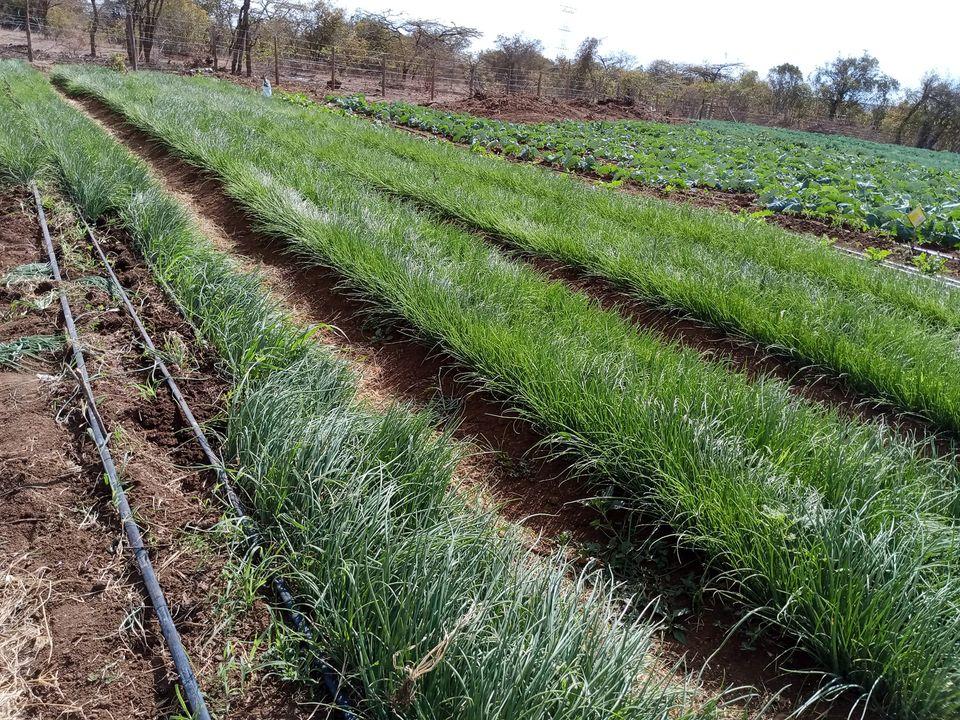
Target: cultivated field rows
837, 533
356, 503
838, 530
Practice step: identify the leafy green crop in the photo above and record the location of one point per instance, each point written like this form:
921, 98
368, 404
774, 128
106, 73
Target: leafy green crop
861, 184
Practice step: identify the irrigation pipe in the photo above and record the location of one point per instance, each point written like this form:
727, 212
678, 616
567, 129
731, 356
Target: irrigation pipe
945, 280
280, 587
98, 430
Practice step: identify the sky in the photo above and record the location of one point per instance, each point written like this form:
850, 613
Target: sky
918, 36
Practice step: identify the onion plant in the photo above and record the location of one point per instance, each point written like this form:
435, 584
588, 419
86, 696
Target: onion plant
841, 533
889, 335
431, 607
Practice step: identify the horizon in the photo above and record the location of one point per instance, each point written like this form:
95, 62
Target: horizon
720, 34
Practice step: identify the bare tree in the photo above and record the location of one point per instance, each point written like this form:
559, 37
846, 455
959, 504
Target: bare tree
416, 39
148, 13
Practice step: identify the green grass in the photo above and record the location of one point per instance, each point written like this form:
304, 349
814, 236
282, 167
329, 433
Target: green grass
387, 561
890, 336
838, 178
838, 532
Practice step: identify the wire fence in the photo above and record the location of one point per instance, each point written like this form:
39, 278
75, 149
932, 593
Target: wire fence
421, 77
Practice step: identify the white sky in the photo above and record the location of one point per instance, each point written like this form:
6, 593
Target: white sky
907, 38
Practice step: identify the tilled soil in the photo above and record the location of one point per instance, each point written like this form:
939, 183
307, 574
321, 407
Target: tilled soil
523, 108
540, 494
106, 657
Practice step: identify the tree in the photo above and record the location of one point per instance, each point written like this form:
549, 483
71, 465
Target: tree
786, 86
413, 40
94, 22
920, 98
324, 25
514, 57
934, 114
584, 64
29, 32
184, 24
241, 39
711, 72
847, 81
883, 94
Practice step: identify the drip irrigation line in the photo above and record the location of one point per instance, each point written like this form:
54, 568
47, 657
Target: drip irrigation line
132, 531
944, 280
280, 587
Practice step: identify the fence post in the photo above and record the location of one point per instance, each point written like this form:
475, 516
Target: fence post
131, 40
473, 77
29, 36
383, 76
333, 67
276, 63
433, 78
539, 83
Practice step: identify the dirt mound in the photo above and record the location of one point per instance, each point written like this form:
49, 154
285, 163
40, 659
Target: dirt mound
530, 108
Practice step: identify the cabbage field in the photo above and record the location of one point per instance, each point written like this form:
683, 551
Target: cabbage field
861, 184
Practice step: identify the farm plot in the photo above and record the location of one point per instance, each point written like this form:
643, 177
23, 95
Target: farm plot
886, 334
99, 652
858, 183
429, 608
840, 533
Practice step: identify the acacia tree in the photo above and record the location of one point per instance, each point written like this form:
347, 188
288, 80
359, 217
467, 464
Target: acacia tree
411, 41
786, 86
847, 81
514, 57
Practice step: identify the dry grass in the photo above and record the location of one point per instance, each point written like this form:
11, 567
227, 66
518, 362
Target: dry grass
24, 638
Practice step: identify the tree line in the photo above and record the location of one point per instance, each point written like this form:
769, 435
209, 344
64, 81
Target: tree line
849, 90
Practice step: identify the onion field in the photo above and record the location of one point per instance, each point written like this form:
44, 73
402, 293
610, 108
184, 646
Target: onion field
834, 532
837, 530
859, 183
356, 504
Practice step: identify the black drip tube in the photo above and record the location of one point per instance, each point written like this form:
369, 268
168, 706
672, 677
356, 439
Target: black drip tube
134, 537
280, 587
